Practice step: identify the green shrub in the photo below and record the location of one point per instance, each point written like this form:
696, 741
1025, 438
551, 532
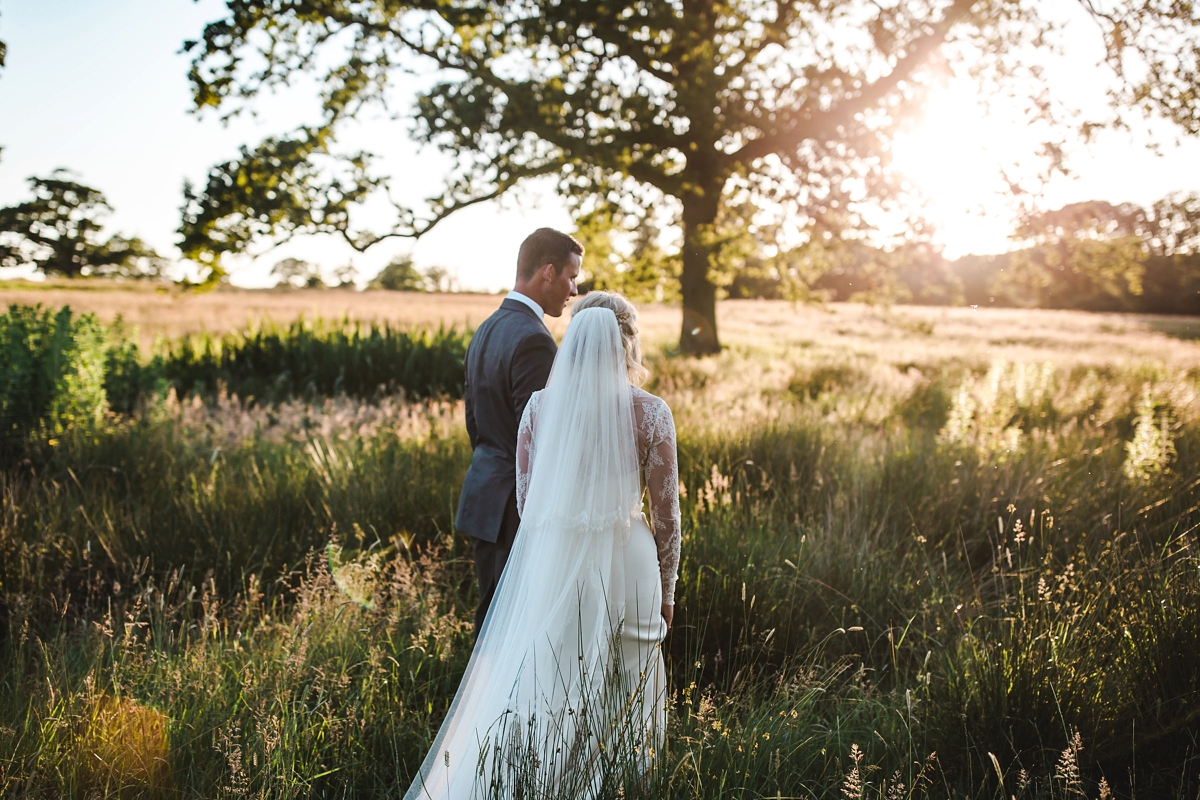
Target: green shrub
52, 366
127, 380
927, 406
318, 357
61, 372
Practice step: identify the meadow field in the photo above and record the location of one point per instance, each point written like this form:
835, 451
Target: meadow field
960, 331
928, 552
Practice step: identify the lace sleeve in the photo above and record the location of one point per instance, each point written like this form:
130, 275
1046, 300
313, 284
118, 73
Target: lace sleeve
525, 449
662, 484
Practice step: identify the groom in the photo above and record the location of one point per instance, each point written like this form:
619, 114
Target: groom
509, 359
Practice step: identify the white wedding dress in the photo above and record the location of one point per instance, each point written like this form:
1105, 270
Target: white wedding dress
565, 691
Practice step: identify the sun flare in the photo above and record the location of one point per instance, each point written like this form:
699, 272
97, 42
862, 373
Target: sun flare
953, 158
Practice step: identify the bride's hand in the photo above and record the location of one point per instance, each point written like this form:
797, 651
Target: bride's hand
668, 613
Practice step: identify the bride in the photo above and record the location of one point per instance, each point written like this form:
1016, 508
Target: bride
565, 692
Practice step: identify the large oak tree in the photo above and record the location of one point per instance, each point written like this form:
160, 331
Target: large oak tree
782, 104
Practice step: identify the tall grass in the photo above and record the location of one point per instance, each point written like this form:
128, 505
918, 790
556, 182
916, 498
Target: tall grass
60, 370
319, 357
942, 581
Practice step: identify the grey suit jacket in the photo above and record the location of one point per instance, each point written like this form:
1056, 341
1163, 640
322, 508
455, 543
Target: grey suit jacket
509, 359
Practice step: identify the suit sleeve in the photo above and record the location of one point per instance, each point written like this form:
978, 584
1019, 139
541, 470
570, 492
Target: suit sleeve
531, 369
469, 406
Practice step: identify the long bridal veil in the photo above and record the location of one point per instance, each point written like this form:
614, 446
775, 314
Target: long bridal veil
536, 705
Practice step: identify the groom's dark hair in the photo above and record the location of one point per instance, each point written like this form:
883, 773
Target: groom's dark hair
546, 246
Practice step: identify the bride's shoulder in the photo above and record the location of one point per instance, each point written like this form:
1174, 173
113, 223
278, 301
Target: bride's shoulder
643, 398
533, 405
653, 410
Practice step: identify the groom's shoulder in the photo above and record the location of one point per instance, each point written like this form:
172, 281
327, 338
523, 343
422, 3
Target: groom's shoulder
512, 323
519, 317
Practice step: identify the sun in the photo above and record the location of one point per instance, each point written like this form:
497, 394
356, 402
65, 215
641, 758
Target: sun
954, 158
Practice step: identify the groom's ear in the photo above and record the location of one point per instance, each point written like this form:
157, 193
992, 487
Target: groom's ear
547, 273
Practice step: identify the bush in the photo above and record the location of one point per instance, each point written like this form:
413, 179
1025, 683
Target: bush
62, 371
76, 363
319, 358
53, 367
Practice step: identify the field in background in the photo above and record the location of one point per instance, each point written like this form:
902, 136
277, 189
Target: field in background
927, 552
897, 334
173, 313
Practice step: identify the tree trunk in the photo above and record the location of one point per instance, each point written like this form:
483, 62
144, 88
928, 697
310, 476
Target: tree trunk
699, 333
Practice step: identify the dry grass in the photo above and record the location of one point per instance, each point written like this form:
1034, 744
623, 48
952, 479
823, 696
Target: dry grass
122, 749
173, 313
897, 336
923, 334
1014, 493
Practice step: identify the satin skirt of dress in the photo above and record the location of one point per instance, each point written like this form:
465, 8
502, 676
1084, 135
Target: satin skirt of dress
626, 736
642, 633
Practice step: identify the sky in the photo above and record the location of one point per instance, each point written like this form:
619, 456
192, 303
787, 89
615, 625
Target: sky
101, 89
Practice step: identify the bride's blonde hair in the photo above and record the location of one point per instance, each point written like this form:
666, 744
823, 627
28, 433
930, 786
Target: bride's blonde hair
627, 321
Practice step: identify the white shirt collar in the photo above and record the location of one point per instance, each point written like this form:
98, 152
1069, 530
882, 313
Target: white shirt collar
520, 298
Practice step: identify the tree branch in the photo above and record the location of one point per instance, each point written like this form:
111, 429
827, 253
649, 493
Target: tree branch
803, 127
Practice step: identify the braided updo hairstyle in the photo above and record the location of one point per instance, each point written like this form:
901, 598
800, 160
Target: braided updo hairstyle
627, 320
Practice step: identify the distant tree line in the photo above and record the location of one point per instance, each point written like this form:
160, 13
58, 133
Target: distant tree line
1093, 256
400, 274
296, 273
1103, 257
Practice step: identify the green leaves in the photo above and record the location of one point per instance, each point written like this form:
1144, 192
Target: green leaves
1151, 46
276, 190
1095, 255
52, 374
625, 254
319, 357
792, 106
